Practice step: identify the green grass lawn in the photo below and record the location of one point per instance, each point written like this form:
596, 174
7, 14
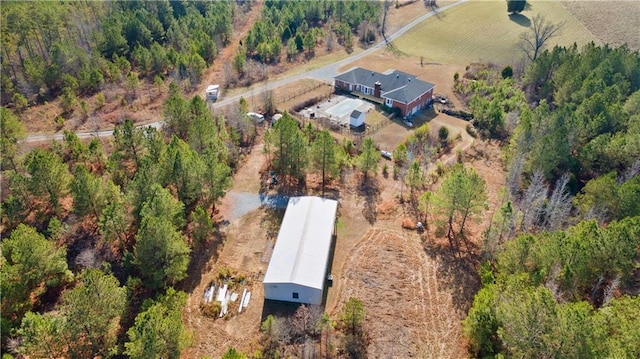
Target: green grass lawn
482, 31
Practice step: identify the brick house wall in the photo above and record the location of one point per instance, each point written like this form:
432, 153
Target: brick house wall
342, 85
422, 101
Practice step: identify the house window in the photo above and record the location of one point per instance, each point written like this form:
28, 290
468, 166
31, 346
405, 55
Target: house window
295, 295
389, 102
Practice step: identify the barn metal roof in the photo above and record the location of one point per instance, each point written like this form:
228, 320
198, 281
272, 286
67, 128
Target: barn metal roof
302, 249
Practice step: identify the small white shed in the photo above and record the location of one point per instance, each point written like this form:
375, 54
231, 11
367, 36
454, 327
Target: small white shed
356, 119
297, 270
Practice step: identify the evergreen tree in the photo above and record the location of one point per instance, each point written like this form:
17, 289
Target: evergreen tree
11, 131
159, 319
515, 6
88, 193
49, 176
92, 312
161, 253
369, 158
324, 157
31, 264
460, 197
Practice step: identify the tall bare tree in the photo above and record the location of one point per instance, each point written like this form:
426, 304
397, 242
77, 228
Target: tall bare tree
558, 205
532, 201
532, 42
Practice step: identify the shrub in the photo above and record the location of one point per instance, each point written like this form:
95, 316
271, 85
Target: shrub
20, 102
59, 121
212, 309
100, 100
443, 134
507, 72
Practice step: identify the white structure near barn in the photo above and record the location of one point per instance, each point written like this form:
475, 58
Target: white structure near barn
356, 119
213, 92
297, 270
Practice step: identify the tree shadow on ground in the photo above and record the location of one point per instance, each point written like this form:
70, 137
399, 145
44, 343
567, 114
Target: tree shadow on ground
369, 189
520, 19
200, 257
278, 308
433, 6
457, 270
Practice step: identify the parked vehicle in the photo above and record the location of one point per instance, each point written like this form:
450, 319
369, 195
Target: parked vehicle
256, 117
213, 92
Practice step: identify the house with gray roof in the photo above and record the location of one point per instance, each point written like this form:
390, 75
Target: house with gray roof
392, 88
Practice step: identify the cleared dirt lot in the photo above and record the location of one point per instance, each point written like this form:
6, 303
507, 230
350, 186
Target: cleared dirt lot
409, 314
420, 298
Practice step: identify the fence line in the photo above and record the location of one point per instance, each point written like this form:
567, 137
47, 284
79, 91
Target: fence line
305, 91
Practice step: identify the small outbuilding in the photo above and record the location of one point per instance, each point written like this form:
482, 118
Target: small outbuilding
213, 92
297, 270
356, 119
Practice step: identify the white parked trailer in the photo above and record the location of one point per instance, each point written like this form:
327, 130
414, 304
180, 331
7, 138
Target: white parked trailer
213, 92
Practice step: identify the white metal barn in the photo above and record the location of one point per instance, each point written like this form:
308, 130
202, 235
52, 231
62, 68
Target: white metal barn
297, 270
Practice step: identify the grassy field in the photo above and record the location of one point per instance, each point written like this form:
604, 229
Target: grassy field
482, 31
613, 22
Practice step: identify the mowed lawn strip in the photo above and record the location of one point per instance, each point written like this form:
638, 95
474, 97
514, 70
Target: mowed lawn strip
482, 31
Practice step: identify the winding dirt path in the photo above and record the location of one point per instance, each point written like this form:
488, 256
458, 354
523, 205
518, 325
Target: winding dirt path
456, 127
213, 74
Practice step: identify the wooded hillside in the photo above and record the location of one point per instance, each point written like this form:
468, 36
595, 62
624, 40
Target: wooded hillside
574, 159
73, 48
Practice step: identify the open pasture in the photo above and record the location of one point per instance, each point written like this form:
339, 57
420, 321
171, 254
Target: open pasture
483, 31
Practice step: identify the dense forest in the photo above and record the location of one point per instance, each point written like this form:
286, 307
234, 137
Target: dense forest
121, 225
299, 25
561, 273
73, 48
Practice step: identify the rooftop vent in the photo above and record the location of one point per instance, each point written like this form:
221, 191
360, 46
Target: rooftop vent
397, 75
371, 73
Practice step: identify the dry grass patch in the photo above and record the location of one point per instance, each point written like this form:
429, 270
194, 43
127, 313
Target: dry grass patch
611, 22
482, 31
409, 313
284, 97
